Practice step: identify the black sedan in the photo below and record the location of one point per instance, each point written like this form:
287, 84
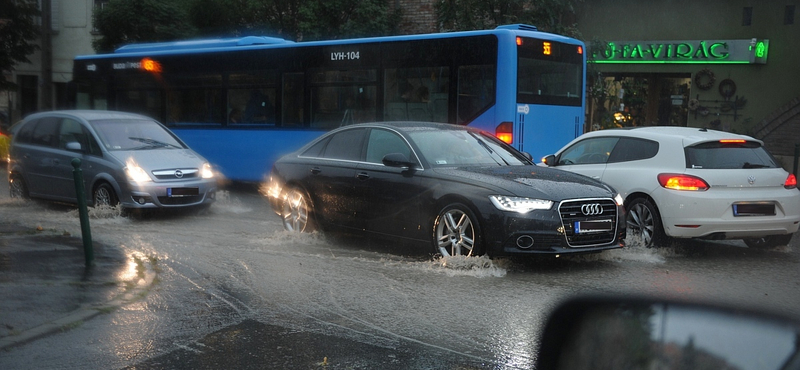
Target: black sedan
460, 189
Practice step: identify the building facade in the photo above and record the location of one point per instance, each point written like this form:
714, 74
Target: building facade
723, 64
43, 82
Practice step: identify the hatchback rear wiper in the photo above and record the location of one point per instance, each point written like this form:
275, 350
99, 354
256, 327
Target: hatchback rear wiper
754, 165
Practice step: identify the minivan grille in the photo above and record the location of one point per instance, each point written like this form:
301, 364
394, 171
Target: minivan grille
586, 210
177, 174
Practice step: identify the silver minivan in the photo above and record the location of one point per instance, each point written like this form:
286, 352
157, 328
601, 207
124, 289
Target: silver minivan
126, 159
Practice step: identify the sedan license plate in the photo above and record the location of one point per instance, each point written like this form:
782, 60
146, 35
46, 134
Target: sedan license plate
753, 209
182, 192
593, 226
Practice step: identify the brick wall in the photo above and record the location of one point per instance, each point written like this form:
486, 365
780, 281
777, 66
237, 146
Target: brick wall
418, 16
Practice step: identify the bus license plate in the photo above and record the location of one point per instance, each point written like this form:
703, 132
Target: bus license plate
182, 192
593, 226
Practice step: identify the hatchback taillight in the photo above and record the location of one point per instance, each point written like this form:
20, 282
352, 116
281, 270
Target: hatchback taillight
677, 181
791, 182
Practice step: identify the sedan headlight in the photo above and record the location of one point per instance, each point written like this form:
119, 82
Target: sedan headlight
136, 173
618, 199
206, 172
519, 204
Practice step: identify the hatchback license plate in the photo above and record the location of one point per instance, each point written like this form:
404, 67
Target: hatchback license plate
593, 226
182, 192
753, 209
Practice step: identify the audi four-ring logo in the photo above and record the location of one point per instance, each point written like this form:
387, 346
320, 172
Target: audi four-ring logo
593, 209
178, 174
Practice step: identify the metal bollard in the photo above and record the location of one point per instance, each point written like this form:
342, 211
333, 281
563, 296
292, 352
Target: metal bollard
86, 232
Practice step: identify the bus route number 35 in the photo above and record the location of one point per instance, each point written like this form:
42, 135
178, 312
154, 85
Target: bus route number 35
345, 55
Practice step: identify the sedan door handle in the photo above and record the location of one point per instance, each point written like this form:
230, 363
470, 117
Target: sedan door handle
315, 170
362, 176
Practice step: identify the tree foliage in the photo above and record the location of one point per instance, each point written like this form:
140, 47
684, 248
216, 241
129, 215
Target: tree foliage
127, 21
325, 19
18, 33
546, 15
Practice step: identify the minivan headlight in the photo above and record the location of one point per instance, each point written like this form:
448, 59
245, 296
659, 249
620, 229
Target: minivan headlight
206, 172
136, 173
519, 204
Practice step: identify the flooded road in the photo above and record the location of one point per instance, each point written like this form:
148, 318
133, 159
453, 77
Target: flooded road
232, 267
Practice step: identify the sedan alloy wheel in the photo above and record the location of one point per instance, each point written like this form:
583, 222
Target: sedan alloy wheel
456, 232
296, 213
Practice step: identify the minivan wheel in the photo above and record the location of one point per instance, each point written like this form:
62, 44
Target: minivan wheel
456, 232
770, 241
17, 188
104, 196
644, 223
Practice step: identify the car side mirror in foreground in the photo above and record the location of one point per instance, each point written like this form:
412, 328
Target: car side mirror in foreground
397, 160
549, 160
641, 333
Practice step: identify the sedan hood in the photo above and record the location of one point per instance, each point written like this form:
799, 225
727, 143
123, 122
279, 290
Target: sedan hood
160, 159
531, 181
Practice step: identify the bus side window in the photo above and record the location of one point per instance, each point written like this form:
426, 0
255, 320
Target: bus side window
476, 91
416, 94
293, 99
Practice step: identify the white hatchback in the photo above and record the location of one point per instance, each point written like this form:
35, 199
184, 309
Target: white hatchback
684, 182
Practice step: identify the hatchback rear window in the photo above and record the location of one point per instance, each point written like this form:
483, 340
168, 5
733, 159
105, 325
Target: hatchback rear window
719, 155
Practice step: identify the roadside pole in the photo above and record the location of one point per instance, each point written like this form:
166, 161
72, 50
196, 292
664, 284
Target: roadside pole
86, 232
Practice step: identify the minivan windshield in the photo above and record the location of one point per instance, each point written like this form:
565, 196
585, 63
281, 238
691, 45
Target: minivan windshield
130, 134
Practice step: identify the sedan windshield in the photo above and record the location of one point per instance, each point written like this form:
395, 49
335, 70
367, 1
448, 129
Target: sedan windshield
134, 135
464, 148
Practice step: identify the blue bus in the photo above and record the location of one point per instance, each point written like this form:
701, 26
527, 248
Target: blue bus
244, 102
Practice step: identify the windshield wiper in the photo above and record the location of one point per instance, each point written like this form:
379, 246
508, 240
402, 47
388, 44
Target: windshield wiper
491, 152
152, 143
753, 165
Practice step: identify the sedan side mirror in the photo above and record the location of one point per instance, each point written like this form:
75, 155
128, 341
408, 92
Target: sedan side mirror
549, 160
397, 160
641, 333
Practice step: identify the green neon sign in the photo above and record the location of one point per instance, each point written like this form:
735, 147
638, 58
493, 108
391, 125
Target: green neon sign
684, 52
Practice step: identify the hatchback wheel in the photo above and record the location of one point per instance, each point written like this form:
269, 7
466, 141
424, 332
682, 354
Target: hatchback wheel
104, 196
770, 241
644, 222
456, 232
17, 188
296, 212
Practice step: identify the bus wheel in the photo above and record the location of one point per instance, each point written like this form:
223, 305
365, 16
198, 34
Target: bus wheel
296, 212
456, 232
104, 196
